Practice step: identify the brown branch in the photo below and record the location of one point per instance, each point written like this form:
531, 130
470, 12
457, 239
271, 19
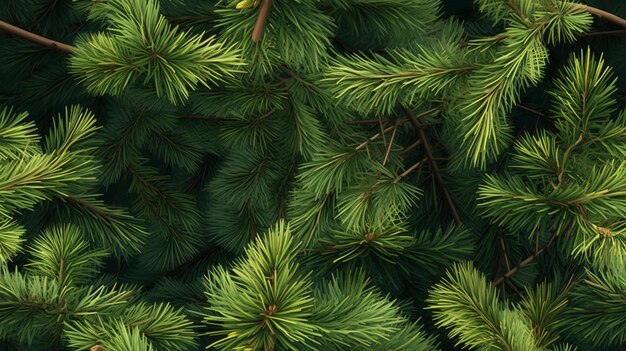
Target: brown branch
380, 125
410, 147
605, 15
517, 291
524, 262
433, 163
606, 32
19, 32
393, 136
538, 113
261, 21
373, 138
409, 170
516, 9
370, 121
89, 207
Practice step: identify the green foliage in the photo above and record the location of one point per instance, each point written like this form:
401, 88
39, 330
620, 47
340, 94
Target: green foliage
17, 137
60, 170
380, 82
597, 308
329, 175
298, 35
153, 326
141, 44
267, 301
35, 307
61, 254
471, 310
11, 239
544, 307
568, 175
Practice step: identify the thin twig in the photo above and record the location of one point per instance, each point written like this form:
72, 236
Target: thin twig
433, 163
517, 291
506, 257
409, 170
606, 32
380, 125
19, 32
538, 113
373, 138
524, 262
251, 221
89, 207
318, 216
410, 147
283, 186
566, 156
393, 136
261, 21
426, 125
184, 267
371, 121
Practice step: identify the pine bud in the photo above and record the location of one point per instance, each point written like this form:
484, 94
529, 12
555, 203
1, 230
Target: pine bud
244, 4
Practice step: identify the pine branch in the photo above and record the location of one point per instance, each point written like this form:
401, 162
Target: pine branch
261, 21
433, 163
19, 32
525, 262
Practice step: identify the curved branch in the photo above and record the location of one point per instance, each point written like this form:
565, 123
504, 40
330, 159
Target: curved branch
19, 32
605, 15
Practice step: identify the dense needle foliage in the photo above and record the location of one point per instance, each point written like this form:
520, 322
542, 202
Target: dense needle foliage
331, 175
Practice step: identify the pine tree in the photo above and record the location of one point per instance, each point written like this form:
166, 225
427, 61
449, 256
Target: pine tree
264, 175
